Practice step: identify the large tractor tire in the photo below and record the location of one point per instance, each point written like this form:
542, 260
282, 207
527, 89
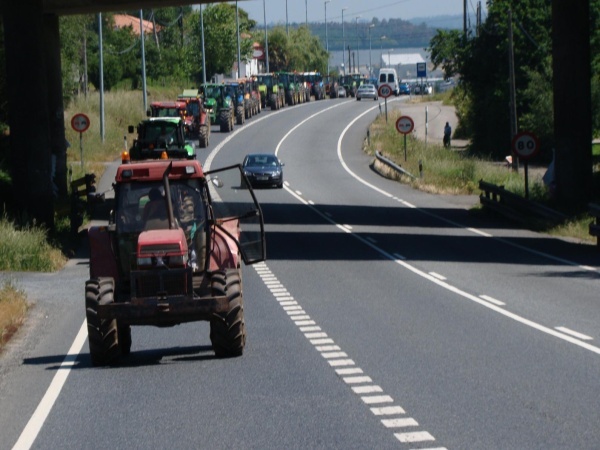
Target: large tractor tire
203, 136
274, 101
228, 330
124, 336
239, 115
103, 335
225, 122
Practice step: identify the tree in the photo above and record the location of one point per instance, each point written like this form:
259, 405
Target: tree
220, 36
301, 51
482, 62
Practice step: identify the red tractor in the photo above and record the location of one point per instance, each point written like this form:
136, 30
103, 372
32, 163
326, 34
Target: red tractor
196, 117
171, 254
167, 109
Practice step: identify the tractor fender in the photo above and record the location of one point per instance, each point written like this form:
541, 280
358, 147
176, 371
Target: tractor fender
224, 250
103, 262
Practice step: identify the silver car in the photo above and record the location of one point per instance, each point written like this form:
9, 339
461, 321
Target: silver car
366, 91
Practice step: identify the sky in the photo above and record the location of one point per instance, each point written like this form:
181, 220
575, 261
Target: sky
366, 9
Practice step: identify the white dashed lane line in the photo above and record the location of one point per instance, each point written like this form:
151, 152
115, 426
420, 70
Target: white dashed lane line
393, 416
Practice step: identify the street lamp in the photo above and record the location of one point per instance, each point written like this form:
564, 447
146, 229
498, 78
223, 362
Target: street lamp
381, 39
266, 38
326, 38
357, 47
237, 26
344, 39
370, 63
287, 28
306, 6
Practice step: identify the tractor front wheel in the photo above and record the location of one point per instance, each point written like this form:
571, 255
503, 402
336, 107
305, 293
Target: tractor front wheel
203, 136
103, 335
228, 329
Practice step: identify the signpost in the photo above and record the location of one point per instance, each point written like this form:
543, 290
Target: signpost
525, 145
80, 122
405, 125
385, 91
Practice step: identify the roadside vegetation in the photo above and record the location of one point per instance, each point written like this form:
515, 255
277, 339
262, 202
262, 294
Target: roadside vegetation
432, 168
13, 307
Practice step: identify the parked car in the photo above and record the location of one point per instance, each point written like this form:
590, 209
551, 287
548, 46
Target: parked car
263, 169
366, 91
404, 89
341, 92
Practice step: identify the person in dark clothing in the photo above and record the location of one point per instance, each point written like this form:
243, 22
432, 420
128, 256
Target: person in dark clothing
447, 134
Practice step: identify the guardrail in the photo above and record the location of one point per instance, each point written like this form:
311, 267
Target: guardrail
392, 165
517, 208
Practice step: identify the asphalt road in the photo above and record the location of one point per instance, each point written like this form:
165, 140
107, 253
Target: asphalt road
383, 318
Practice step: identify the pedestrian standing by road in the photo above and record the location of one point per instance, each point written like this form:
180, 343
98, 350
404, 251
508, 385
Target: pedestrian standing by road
447, 134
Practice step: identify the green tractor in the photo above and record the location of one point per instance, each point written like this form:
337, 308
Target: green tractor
351, 82
219, 106
292, 87
158, 137
271, 92
241, 107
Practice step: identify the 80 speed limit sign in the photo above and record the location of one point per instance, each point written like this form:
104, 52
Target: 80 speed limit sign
385, 91
525, 145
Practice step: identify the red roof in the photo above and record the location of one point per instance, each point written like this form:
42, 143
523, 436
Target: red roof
122, 21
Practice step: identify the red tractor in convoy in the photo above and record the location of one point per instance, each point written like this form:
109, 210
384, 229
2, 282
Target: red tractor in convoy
197, 120
166, 109
171, 253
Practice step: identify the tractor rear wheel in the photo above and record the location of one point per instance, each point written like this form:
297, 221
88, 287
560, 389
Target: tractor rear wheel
103, 335
228, 329
203, 136
225, 121
239, 115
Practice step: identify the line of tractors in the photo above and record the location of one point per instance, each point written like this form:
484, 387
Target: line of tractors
177, 236
171, 125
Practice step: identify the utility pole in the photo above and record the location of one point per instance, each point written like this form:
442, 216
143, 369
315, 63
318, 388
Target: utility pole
357, 47
266, 37
202, 39
326, 38
512, 89
142, 35
344, 38
465, 19
237, 26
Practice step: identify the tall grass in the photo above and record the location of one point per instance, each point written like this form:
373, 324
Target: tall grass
121, 109
27, 249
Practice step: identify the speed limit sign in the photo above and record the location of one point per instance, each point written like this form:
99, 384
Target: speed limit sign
80, 122
525, 145
385, 91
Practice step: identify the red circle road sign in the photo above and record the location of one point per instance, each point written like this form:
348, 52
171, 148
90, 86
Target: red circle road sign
80, 122
385, 91
525, 145
405, 124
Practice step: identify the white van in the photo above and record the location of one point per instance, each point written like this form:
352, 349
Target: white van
390, 77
